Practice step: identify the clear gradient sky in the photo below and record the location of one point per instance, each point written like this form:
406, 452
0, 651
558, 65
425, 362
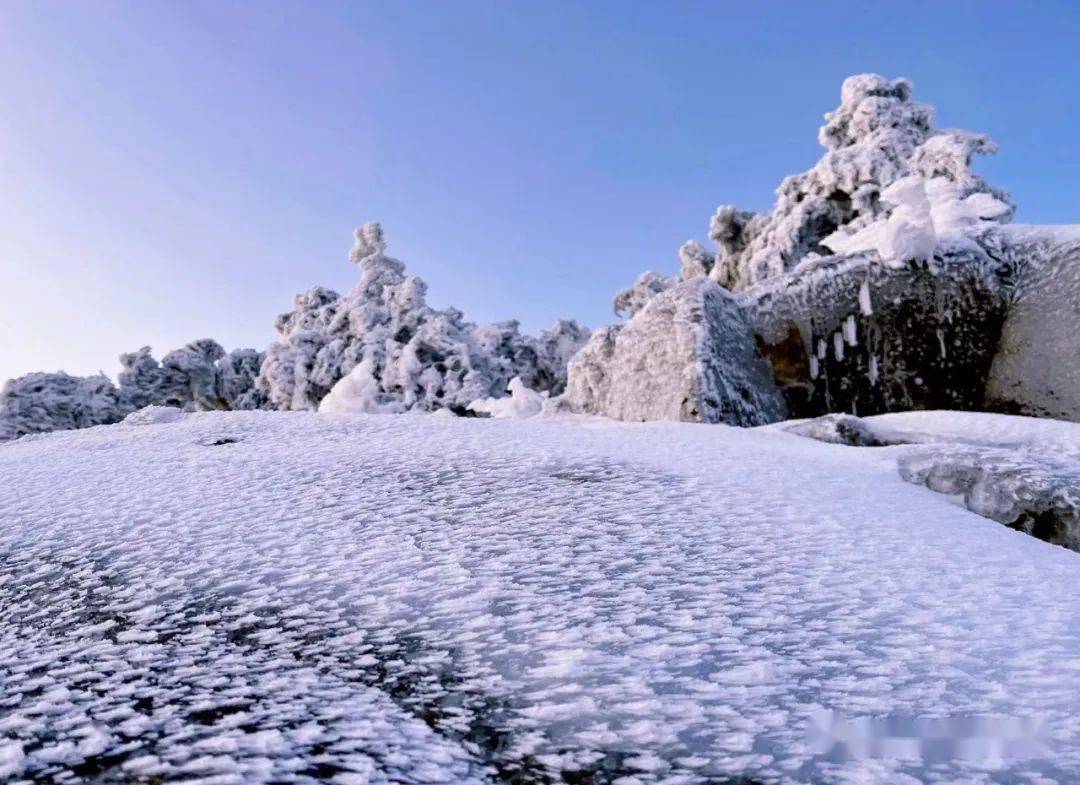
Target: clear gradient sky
175, 170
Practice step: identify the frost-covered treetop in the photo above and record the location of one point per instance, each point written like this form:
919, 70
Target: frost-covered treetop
876, 137
381, 348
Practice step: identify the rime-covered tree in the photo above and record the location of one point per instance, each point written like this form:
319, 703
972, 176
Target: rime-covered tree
398, 352
236, 375
189, 376
884, 156
876, 136
140, 378
42, 402
197, 377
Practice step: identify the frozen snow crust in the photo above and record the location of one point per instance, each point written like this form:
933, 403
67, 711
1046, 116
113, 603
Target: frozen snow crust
300, 597
1021, 472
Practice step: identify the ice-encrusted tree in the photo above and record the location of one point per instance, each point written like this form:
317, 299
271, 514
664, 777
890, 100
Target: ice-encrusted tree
42, 402
398, 352
140, 377
199, 376
876, 137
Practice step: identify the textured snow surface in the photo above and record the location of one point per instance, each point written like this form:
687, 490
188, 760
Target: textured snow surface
270, 596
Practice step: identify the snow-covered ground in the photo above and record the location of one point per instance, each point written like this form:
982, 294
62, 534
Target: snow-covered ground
257, 596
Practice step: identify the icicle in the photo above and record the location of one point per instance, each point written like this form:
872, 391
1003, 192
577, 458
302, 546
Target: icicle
864, 298
813, 367
941, 341
822, 349
849, 331
873, 371
838, 345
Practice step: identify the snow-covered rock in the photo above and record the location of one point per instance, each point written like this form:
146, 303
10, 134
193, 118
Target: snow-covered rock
687, 354
1036, 369
841, 429
1019, 471
849, 334
399, 352
287, 597
1032, 490
867, 288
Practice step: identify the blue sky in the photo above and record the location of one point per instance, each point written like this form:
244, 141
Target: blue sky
170, 171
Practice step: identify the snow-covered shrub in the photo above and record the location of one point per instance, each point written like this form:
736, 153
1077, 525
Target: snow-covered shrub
189, 376
236, 373
877, 136
397, 352
42, 402
140, 377
647, 285
554, 349
197, 377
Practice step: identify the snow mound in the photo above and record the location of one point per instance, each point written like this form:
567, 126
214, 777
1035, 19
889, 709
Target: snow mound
154, 415
521, 404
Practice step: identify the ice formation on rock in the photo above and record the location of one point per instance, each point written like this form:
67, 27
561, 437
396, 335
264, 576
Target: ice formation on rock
687, 354
1033, 489
1019, 471
397, 352
841, 429
907, 335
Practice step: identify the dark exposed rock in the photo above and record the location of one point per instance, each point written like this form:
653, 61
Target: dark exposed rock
851, 334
